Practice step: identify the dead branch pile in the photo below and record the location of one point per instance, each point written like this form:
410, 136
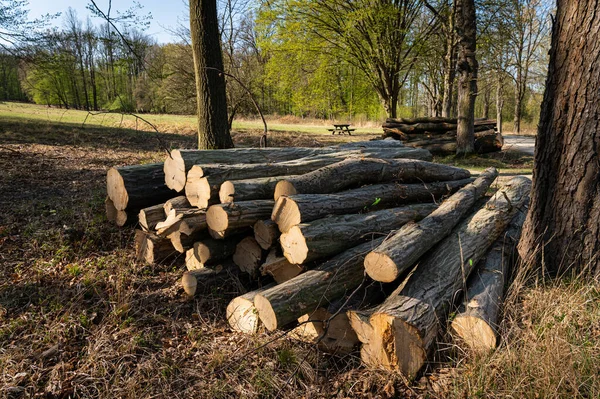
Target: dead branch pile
438, 135
360, 245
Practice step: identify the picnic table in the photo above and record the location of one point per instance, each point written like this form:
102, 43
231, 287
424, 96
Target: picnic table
341, 128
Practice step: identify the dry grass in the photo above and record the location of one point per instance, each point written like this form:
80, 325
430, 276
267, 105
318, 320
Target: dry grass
80, 318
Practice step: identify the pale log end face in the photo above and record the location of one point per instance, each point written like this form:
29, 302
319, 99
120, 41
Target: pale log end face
111, 211
294, 246
381, 267
284, 187
361, 326
217, 218
202, 252
204, 193
226, 192
115, 187
475, 332
121, 218
286, 214
265, 312
191, 260
242, 316
189, 283
174, 168
248, 255
264, 234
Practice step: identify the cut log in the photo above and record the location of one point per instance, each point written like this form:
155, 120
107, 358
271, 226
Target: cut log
280, 268
389, 143
151, 216
206, 277
477, 319
220, 235
241, 313
286, 302
301, 208
332, 333
187, 221
120, 218
182, 242
354, 172
248, 189
191, 260
179, 204
170, 224
137, 186
266, 233
209, 251
401, 250
152, 249
249, 256
222, 218
330, 236
179, 162
406, 324
485, 142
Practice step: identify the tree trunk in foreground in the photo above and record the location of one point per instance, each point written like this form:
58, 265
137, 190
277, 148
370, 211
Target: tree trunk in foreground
330, 236
291, 211
562, 226
400, 251
466, 29
406, 324
477, 320
356, 172
213, 128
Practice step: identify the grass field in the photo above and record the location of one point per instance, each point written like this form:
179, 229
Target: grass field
79, 317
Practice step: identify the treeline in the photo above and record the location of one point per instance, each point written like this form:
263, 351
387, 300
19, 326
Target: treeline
308, 58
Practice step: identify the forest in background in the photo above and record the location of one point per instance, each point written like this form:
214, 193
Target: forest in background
317, 59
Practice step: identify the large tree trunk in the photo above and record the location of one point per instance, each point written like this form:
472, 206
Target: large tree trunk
285, 303
355, 172
449, 63
291, 211
466, 28
477, 320
400, 251
213, 129
406, 324
330, 236
562, 225
499, 102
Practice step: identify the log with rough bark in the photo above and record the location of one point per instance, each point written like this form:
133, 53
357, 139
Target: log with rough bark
286, 302
204, 181
485, 142
182, 242
301, 208
151, 216
179, 162
241, 313
280, 268
187, 221
206, 277
249, 189
356, 172
120, 218
209, 251
266, 233
477, 320
137, 186
249, 256
330, 236
386, 143
226, 217
406, 324
220, 235
401, 250
151, 248
179, 203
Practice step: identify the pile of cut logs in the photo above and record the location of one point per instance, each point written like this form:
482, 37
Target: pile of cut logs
364, 244
438, 135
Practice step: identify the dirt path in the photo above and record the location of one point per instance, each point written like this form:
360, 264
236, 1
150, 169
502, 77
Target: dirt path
513, 142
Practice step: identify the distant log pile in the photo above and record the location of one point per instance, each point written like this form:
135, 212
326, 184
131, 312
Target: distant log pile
438, 135
330, 240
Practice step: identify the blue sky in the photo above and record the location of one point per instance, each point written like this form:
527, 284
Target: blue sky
165, 13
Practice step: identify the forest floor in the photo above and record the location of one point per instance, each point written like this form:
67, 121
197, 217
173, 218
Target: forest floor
79, 317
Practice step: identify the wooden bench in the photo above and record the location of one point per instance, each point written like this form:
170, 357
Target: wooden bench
341, 128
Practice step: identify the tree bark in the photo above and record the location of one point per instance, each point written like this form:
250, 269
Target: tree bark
151, 216
330, 236
485, 142
562, 226
213, 129
209, 251
406, 324
285, 303
179, 162
355, 172
477, 320
137, 186
301, 208
206, 277
248, 189
466, 28
401, 250
152, 249
227, 217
